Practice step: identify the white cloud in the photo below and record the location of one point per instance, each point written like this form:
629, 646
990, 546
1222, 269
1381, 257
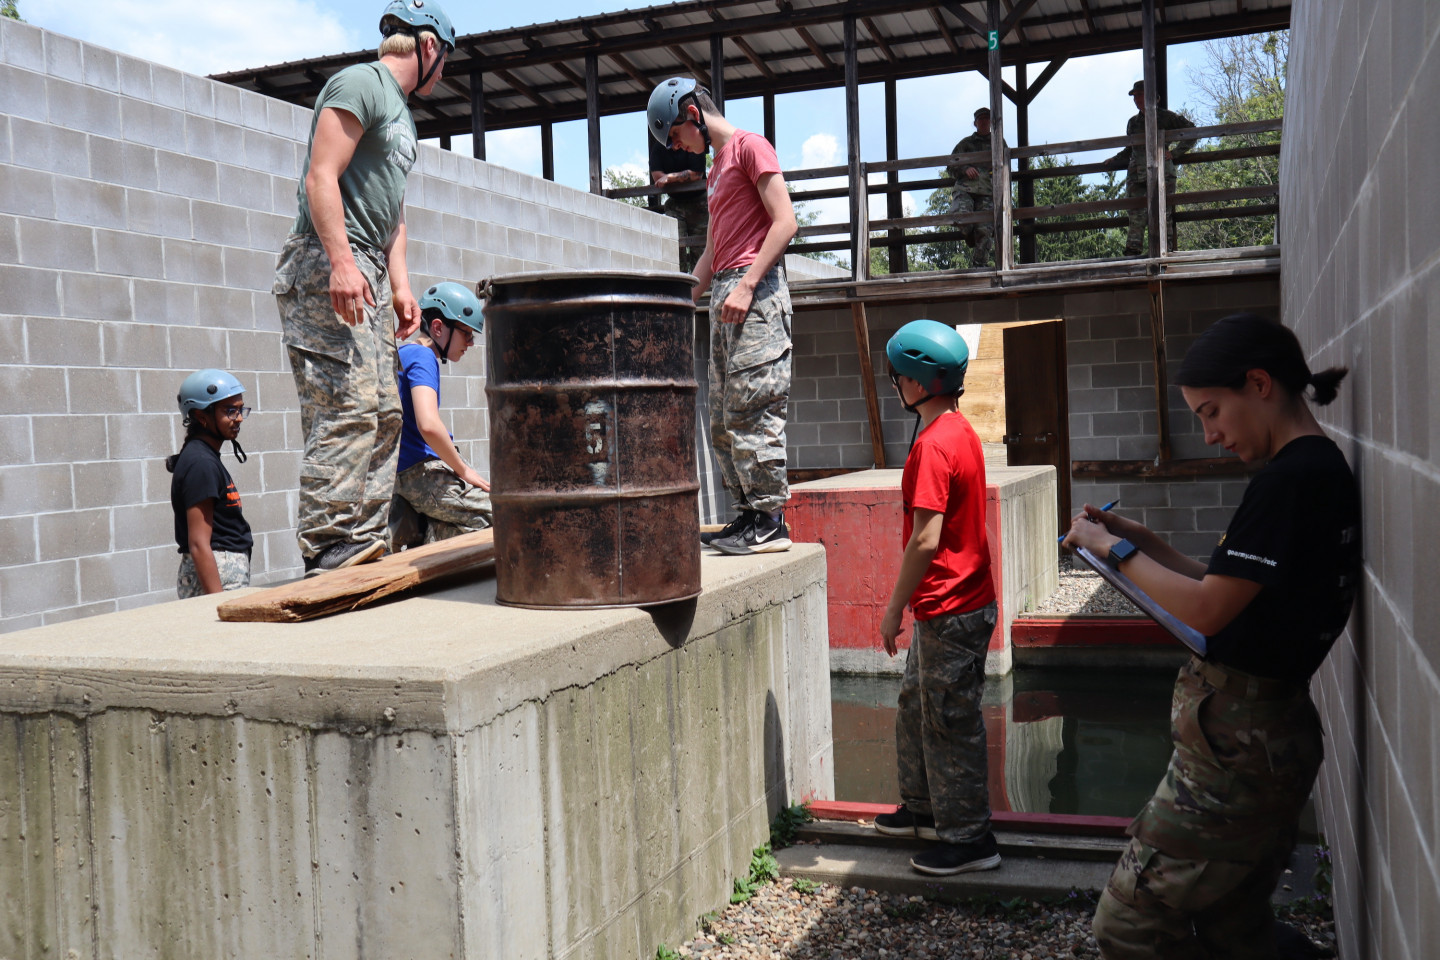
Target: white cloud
199, 37
517, 149
819, 150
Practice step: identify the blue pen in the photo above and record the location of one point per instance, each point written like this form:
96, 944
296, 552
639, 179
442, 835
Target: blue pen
1061, 538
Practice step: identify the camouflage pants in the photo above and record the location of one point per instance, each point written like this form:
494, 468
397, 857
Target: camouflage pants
750, 391
939, 730
234, 573
1140, 219
450, 505
980, 236
349, 402
1210, 845
693, 214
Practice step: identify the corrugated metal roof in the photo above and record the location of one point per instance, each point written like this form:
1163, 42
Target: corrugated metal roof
536, 73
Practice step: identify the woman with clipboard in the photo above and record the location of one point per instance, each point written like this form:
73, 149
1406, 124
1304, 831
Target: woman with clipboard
1209, 847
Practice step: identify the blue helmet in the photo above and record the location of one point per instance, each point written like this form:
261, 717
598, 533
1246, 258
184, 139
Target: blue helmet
455, 302
206, 387
932, 354
412, 16
664, 106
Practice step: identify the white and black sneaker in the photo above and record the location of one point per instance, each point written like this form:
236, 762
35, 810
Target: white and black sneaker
766, 533
736, 526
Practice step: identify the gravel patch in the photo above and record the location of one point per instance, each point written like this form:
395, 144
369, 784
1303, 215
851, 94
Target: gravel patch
1083, 591
826, 922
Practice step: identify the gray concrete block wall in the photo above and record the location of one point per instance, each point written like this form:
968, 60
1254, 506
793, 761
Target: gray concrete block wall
140, 214
1360, 281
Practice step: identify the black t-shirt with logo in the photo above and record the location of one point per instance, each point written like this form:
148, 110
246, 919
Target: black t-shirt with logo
665, 160
1297, 534
200, 476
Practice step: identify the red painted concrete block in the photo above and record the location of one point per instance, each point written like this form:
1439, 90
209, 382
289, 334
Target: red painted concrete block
1026, 822
1032, 631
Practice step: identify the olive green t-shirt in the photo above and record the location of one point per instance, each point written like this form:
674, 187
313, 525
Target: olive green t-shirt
372, 188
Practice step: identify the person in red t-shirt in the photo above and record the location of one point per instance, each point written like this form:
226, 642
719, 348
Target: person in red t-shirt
945, 579
751, 224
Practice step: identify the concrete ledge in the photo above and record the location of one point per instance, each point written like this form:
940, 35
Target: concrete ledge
437, 776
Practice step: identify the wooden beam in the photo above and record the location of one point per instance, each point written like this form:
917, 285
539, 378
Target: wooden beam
1000, 158
592, 119
1046, 75
547, 151
1009, 91
1154, 163
1162, 377
965, 17
769, 110
944, 28
523, 87
1089, 16
1022, 138
1165, 469
631, 71
894, 208
867, 381
744, 47
815, 48
717, 69
859, 197
878, 37
700, 72
1010, 21
477, 114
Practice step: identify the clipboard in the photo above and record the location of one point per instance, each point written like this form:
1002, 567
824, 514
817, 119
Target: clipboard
1192, 638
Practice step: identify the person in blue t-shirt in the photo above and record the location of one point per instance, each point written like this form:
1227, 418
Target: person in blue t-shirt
433, 479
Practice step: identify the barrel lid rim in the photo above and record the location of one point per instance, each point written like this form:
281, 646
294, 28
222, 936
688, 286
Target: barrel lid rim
532, 276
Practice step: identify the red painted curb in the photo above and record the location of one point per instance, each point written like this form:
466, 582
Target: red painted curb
1058, 823
1031, 631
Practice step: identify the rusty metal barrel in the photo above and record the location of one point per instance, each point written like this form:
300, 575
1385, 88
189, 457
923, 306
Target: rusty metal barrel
592, 438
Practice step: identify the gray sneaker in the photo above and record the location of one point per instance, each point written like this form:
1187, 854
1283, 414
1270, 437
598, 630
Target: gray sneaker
766, 534
746, 517
947, 859
338, 556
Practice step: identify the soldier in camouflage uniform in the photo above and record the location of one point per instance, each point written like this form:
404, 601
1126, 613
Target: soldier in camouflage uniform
1132, 160
945, 580
973, 192
688, 206
751, 223
343, 289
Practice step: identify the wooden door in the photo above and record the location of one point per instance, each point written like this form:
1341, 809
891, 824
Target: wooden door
1037, 407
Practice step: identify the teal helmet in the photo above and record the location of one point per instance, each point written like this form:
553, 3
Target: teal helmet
664, 107
412, 16
455, 303
932, 354
206, 387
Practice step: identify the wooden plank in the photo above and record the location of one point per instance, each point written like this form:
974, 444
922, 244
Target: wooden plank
358, 586
477, 114
1162, 379
592, 119
1157, 239
867, 378
1164, 470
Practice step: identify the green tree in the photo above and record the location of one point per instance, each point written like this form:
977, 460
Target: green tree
1075, 244
11, 9
617, 178
806, 216
1243, 79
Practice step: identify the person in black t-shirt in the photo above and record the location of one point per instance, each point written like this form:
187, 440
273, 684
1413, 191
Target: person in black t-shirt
1210, 845
689, 206
210, 530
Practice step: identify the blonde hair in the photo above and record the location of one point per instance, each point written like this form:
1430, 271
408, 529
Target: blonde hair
403, 44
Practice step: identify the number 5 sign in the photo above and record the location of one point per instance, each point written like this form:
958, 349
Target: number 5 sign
994, 39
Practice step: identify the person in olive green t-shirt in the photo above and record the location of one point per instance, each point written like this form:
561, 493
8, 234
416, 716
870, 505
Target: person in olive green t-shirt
343, 289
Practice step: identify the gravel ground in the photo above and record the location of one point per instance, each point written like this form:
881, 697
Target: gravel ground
1082, 590
831, 923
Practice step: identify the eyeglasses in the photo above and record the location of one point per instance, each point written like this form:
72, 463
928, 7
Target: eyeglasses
235, 413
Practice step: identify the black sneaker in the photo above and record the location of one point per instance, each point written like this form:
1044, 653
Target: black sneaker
340, 555
906, 823
946, 859
742, 521
765, 534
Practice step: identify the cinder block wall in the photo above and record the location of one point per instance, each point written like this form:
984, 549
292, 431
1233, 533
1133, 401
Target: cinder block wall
141, 210
1361, 236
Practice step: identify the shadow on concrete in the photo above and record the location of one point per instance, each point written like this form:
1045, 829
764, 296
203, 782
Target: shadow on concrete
674, 620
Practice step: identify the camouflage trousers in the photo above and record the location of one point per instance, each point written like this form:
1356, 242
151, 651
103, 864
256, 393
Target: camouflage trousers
350, 409
1209, 847
980, 236
449, 505
234, 573
1140, 219
750, 391
693, 214
939, 729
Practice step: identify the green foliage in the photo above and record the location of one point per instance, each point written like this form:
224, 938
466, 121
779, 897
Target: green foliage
663, 952
909, 910
708, 919
806, 216
11, 9
764, 868
805, 886
1243, 80
1078, 244
786, 823
617, 179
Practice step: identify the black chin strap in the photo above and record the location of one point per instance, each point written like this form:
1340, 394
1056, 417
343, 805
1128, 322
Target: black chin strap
235, 447
424, 74
445, 350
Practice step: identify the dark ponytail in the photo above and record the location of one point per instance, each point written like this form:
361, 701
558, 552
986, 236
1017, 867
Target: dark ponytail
1232, 347
192, 430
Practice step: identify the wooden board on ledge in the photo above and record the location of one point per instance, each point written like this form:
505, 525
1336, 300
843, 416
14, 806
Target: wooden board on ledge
352, 587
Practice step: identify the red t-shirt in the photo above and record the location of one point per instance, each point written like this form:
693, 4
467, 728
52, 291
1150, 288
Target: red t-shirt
738, 220
945, 472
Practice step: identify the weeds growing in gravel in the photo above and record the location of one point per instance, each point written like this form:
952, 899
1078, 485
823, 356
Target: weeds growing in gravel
764, 868
786, 823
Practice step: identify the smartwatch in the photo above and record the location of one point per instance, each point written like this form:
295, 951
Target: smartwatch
1121, 552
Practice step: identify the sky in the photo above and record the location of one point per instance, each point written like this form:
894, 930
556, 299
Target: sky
1087, 98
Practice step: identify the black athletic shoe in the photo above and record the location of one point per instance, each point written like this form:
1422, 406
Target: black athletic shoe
765, 534
340, 555
906, 823
742, 521
946, 859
